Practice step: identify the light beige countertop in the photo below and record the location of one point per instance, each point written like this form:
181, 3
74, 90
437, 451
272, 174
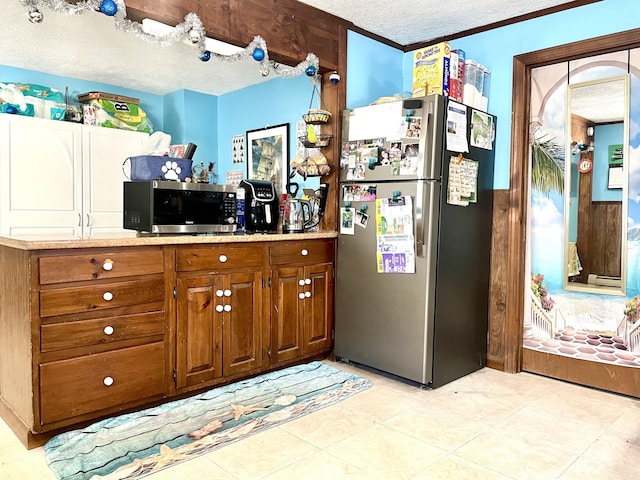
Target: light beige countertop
52, 243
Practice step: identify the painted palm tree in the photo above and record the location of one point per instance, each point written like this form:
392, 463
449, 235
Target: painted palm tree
547, 165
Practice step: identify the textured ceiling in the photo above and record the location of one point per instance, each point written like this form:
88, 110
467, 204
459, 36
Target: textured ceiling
89, 47
414, 21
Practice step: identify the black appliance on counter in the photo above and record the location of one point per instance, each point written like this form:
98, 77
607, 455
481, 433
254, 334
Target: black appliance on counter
262, 206
178, 207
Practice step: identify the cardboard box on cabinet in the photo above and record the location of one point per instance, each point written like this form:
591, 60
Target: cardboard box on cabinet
431, 70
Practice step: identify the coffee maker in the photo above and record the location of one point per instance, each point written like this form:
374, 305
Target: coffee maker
261, 206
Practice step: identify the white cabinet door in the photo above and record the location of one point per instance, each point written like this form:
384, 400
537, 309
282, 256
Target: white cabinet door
40, 177
104, 151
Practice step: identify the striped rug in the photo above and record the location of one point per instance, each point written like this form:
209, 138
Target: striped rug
134, 445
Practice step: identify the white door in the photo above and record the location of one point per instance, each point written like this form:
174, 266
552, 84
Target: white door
40, 177
104, 151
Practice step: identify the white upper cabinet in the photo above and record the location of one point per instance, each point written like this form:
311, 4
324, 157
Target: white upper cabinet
104, 152
61, 179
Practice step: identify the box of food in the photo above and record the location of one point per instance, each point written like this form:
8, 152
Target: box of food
87, 97
456, 76
431, 70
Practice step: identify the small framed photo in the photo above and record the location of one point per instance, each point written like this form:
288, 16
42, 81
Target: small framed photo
268, 155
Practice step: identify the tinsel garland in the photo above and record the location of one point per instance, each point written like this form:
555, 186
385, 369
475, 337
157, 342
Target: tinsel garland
191, 28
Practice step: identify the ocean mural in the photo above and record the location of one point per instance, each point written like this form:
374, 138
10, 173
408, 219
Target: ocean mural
574, 313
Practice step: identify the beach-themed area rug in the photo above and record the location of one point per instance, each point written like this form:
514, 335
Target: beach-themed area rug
135, 445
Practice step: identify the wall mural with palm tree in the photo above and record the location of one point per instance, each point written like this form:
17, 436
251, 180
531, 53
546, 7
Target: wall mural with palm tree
582, 325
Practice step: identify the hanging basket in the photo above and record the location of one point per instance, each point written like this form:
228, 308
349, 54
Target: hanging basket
316, 116
322, 140
311, 168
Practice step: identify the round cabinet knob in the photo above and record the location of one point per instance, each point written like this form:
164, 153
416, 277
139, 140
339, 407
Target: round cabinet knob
219, 308
301, 282
222, 258
304, 252
227, 293
108, 381
219, 293
307, 294
301, 295
307, 281
108, 330
227, 308
107, 296
107, 264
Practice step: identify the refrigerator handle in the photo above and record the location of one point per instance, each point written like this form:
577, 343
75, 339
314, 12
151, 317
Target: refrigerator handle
420, 220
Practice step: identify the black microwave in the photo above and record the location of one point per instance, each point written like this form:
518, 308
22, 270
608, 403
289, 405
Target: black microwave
178, 207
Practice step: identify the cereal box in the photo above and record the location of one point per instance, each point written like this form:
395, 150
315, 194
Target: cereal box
431, 70
456, 77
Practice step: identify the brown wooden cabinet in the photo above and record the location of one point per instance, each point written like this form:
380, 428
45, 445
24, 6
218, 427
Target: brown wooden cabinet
219, 313
89, 332
301, 298
101, 329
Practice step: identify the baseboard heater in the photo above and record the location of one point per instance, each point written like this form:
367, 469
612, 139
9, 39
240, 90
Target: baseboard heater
604, 281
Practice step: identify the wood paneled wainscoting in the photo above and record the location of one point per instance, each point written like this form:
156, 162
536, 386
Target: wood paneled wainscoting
498, 285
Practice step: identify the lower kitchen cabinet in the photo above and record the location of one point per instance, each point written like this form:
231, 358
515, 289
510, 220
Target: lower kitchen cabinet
301, 299
198, 333
90, 332
219, 313
80, 385
218, 326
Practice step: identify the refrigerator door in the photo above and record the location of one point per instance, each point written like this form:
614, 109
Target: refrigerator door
385, 320
463, 273
383, 121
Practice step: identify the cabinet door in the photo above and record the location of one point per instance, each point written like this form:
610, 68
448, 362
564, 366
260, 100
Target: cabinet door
318, 307
199, 331
40, 177
286, 313
242, 321
104, 151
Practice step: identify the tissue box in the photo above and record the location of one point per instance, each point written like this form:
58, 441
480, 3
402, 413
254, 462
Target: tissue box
157, 167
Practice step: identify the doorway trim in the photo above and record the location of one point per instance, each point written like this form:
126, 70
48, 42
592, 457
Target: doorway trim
614, 378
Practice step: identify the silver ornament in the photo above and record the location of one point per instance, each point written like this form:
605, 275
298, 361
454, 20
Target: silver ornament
35, 16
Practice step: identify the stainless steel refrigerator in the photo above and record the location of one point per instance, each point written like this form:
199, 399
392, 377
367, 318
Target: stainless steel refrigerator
429, 325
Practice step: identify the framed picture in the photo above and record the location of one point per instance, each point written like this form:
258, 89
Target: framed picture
268, 155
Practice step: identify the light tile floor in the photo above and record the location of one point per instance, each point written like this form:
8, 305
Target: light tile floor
487, 425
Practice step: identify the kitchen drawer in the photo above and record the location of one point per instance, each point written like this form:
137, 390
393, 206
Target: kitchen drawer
61, 301
69, 388
101, 264
214, 258
314, 251
99, 331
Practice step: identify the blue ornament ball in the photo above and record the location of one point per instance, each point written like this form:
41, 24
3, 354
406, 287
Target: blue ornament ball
310, 71
108, 7
11, 109
258, 54
206, 56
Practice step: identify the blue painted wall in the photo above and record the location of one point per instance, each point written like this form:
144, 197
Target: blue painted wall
605, 135
373, 70
278, 101
193, 117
